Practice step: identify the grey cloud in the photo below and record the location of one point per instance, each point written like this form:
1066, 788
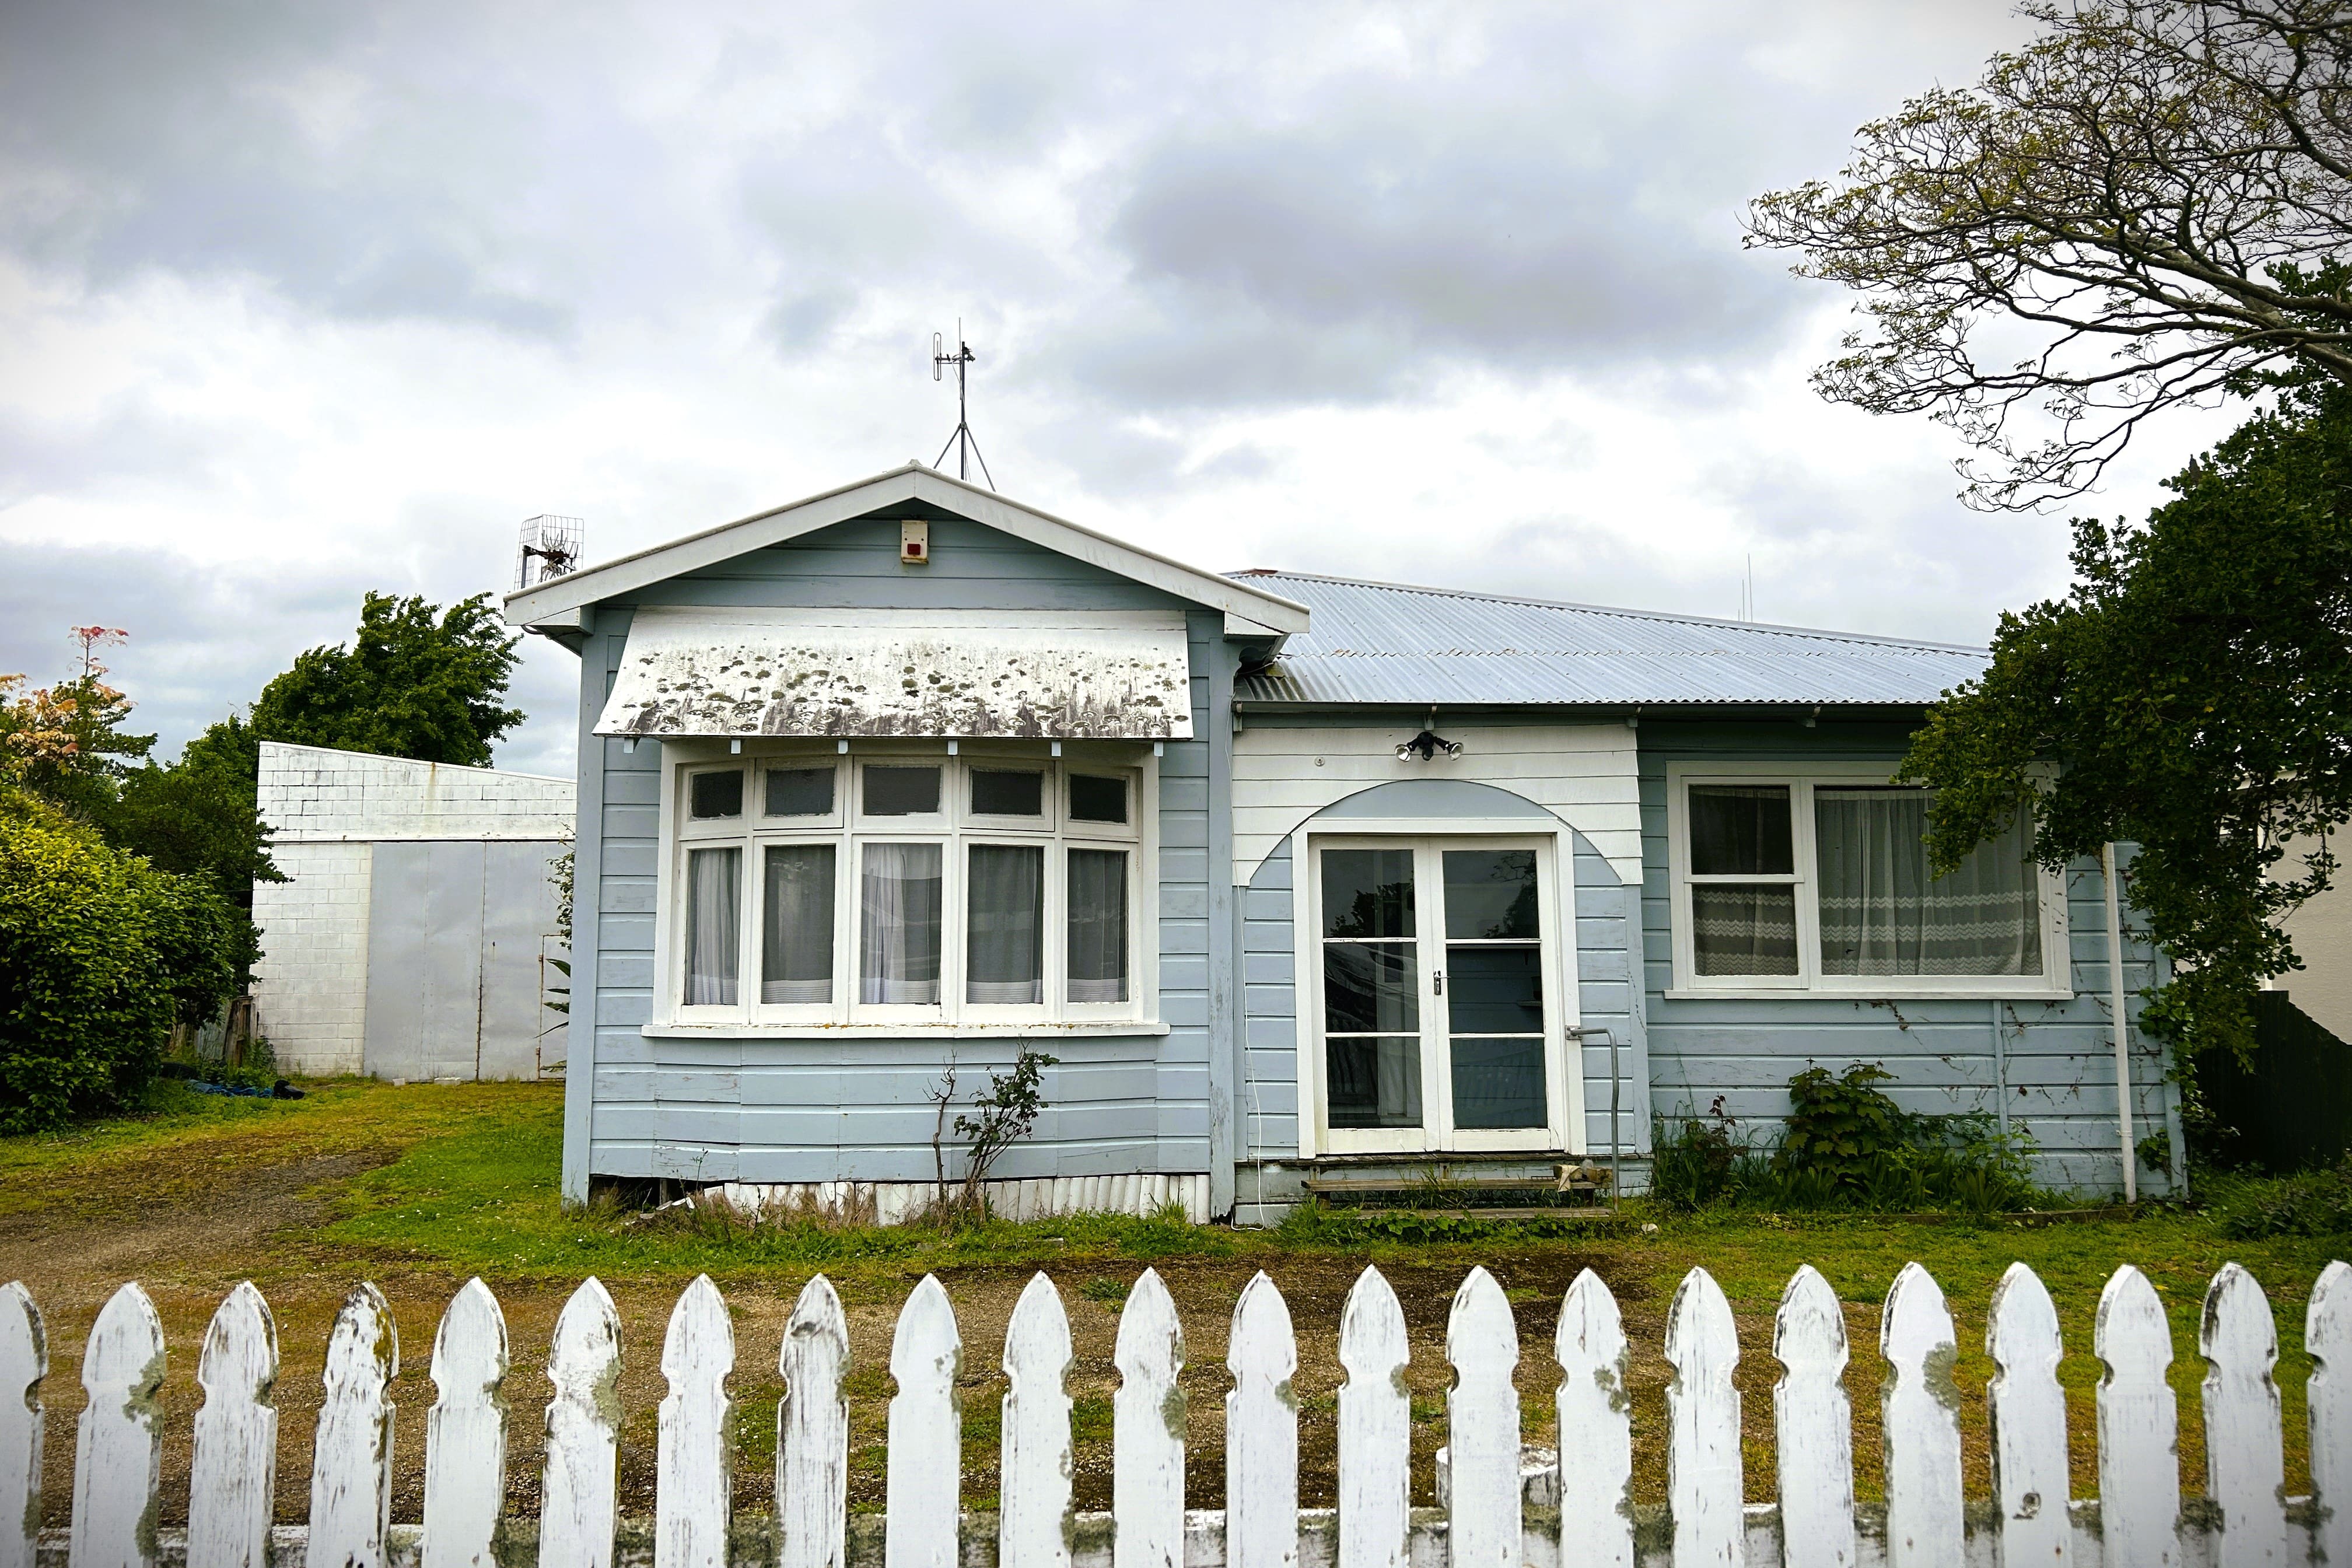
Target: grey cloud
369, 164
205, 638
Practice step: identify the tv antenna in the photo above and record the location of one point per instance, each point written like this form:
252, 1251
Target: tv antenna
550, 548
966, 445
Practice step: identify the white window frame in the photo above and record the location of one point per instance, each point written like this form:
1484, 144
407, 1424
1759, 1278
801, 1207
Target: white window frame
2052, 984
848, 829
1563, 1132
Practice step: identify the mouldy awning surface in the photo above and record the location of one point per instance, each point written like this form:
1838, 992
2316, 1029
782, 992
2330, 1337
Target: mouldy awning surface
1060, 676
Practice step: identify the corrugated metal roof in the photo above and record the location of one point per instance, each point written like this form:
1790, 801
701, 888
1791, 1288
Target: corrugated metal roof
1387, 642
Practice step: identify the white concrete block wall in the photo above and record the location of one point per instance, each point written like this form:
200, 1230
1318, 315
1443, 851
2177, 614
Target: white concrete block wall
310, 989
310, 793
326, 810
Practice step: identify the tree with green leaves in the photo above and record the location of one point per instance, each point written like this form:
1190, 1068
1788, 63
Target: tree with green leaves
2194, 692
412, 683
2148, 205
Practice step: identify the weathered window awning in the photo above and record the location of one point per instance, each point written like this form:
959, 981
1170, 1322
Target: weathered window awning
1059, 675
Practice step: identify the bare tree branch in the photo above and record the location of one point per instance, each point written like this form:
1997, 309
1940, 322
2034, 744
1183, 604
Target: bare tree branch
2162, 187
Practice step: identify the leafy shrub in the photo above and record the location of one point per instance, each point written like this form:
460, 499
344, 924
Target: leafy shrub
1846, 1145
99, 954
2314, 1203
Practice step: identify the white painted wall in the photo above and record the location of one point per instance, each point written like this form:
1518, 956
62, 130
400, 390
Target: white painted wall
327, 809
1587, 774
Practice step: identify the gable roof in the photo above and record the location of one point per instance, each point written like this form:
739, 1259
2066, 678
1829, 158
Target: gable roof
1387, 642
557, 601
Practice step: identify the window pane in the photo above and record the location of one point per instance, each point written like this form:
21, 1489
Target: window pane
1373, 1082
1001, 794
1744, 931
1499, 1083
1490, 893
1493, 990
1740, 830
901, 792
1368, 892
899, 924
1369, 988
1097, 925
1881, 914
796, 938
713, 922
1096, 799
799, 792
715, 795
1004, 940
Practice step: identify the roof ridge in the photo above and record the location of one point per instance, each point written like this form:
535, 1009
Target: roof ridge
1617, 610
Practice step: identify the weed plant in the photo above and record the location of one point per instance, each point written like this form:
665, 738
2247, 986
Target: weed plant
2248, 1208
1846, 1146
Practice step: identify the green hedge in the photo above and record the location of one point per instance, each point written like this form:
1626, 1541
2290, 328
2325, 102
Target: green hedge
99, 954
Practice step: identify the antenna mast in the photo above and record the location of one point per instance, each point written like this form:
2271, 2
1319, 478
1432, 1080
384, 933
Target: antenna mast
966, 445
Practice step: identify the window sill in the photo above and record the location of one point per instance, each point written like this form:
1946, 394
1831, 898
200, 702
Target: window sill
1092, 1028
1824, 993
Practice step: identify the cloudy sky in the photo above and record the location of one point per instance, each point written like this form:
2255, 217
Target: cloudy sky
297, 301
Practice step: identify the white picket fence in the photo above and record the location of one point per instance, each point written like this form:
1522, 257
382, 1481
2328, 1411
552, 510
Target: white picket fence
2246, 1522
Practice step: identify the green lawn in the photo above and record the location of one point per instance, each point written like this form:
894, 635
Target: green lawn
444, 1182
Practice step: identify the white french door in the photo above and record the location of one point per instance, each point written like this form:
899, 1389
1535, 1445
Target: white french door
1436, 974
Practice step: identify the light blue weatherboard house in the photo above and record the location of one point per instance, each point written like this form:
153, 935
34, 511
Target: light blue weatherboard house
908, 775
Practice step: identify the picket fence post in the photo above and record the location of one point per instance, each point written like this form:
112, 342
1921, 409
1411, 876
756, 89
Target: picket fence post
24, 1363
1813, 1425
233, 1474
350, 1457
466, 1432
2025, 1410
1375, 1427
2139, 1462
1148, 1430
926, 1455
2327, 1335
1482, 1427
2245, 1464
1034, 1471
579, 1491
694, 1462
1596, 1429
812, 1431
119, 1456
1703, 1477
1261, 1432
1920, 1423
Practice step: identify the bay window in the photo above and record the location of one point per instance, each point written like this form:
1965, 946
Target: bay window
1818, 883
904, 888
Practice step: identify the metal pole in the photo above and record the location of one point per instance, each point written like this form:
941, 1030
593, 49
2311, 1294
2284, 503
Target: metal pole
2123, 1023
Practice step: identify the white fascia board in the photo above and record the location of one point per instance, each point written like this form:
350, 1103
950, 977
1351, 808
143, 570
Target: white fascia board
612, 579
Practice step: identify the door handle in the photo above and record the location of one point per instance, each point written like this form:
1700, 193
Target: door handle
1437, 977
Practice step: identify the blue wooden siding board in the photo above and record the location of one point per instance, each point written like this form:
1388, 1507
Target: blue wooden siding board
2059, 1055
708, 1109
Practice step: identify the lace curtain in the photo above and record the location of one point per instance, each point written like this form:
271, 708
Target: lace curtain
898, 925
1003, 948
1097, 925
796, 948
713, 926
1882, 913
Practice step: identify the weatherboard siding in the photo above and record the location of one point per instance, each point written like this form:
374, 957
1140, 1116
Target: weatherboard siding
856, 1108
2045, 1068
1286, 771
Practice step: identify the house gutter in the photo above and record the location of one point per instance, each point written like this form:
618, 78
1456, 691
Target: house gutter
2123, 1023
